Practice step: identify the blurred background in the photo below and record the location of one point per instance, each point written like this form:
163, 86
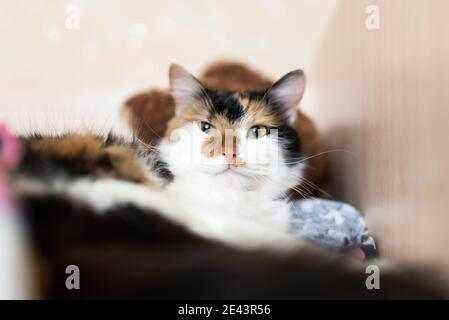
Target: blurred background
89, 56
377, 71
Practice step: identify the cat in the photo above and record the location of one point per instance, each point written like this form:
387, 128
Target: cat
207, 208
149, 112
230, 159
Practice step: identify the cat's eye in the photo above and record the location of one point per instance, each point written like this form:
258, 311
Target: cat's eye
257, 132
205, 126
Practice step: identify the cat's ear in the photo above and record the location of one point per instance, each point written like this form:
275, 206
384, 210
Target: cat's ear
185, 88
287, 92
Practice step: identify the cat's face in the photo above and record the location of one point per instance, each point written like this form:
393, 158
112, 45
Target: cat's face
240, 138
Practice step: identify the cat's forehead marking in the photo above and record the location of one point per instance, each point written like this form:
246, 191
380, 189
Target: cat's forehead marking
226, 104
232, 109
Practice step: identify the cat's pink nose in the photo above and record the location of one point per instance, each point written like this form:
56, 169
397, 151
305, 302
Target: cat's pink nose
229, 148
230, 156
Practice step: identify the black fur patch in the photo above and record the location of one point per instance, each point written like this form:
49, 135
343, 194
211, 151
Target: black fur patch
161, 168
291, 144
225, 104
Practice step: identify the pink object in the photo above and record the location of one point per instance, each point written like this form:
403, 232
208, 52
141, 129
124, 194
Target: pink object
9, 158
9, 149
357, 253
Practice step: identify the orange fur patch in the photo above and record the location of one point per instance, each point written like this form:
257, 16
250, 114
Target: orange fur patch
259, 113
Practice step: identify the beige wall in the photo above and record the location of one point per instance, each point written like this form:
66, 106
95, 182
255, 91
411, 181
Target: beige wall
384, 96
54, 78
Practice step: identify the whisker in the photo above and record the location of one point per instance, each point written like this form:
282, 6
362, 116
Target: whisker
151, 128
305, 195
146, 145
329, 151
312, 185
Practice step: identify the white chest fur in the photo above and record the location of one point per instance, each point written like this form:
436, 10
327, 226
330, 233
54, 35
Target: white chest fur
217, 209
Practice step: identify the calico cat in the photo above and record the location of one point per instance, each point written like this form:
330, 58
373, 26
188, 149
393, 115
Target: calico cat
149, 112
205, 214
